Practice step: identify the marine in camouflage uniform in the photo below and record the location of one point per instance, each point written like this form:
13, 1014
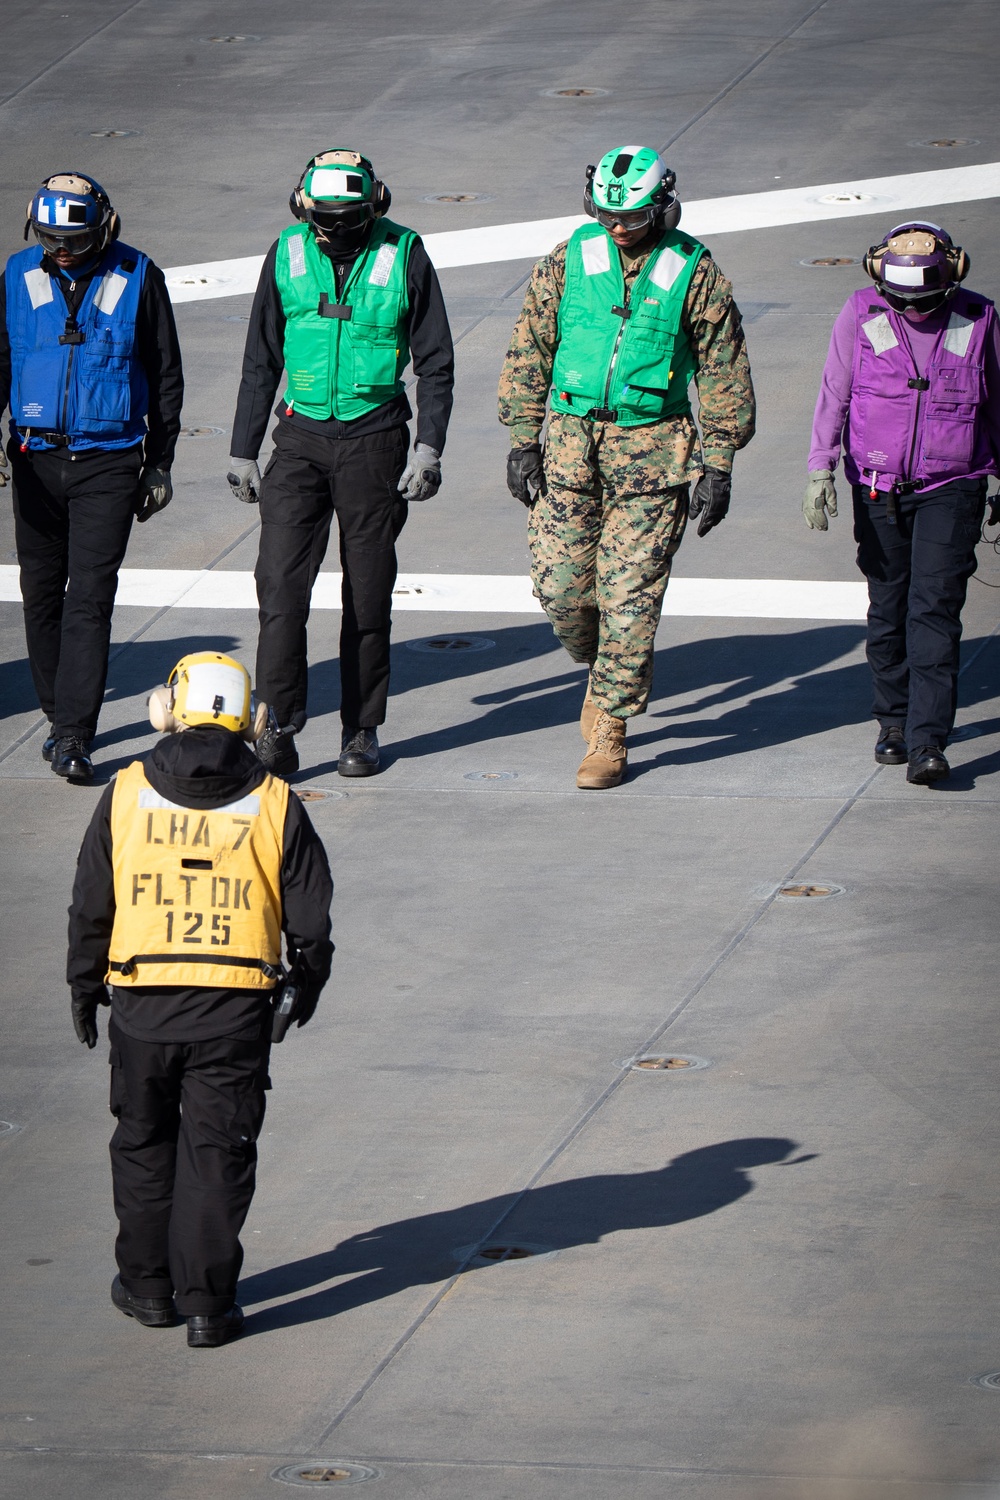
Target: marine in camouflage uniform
605, 525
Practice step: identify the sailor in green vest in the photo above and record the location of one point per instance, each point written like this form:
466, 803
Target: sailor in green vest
616, 325
346, 300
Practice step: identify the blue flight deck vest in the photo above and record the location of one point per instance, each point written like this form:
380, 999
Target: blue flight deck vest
87, 382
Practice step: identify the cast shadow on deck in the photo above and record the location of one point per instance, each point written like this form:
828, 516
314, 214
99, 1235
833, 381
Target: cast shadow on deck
417, 1251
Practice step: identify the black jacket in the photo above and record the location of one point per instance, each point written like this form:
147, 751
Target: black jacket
430, 349
157, 347
198, 768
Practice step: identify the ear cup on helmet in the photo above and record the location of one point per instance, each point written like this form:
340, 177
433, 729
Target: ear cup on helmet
588, 194
962, 263
671, 216
160, 705
381, 199
872, 261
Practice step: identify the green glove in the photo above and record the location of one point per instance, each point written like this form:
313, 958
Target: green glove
819, 499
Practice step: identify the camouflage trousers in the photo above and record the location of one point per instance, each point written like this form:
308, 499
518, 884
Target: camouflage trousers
602, 540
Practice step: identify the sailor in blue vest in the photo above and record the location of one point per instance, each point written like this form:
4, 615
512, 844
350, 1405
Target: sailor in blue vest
91, 369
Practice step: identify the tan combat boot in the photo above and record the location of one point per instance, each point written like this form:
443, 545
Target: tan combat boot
604, 763
588, 714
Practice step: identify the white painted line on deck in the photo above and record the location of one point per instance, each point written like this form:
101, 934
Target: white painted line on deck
889, 197
487, 594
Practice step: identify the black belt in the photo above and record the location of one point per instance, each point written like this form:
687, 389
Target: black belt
54, 439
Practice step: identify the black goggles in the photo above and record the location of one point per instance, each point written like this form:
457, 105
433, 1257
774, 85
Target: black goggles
350, 216
637, 218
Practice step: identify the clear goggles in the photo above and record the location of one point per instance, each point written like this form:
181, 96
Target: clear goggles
637, 218
77, 242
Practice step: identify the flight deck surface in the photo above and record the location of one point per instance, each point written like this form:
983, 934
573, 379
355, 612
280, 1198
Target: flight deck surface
768, 1278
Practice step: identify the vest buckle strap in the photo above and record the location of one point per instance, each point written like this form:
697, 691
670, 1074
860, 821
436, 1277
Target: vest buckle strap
601, 414
622, 312
270, 971
916, 384
328, 309
54, 439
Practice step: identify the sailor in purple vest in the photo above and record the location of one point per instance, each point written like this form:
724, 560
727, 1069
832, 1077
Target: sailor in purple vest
911, 391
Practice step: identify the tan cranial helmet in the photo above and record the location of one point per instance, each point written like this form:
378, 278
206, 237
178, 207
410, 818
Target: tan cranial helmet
207, 688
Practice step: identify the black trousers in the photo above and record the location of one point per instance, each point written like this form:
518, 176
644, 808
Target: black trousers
308, 480
184, 1164
918, 572
72, 519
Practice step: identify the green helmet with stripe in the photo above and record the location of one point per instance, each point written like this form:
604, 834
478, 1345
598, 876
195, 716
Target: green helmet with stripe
339, 191
632, 180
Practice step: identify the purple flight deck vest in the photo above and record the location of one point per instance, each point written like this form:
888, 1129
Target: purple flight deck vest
905, 430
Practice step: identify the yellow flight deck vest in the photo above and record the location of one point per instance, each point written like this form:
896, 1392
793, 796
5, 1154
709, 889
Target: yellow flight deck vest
197, 894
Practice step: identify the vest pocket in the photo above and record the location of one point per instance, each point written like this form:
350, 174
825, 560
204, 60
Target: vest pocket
309, 360
950, 421
376, 355
38, 387
103, 394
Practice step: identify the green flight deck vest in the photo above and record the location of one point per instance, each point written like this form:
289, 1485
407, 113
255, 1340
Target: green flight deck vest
344, 358
628, 359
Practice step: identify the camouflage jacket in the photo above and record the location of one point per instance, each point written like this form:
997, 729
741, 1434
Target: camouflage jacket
714, 329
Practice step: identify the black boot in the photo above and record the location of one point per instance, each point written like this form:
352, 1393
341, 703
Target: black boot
151, 1312
276, 749
358, 752
890, 749
71, 760
927, 765
216, 1328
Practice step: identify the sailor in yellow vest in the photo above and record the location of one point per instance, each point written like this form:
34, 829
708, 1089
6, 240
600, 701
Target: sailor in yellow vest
346, 298
616, 324
194, 864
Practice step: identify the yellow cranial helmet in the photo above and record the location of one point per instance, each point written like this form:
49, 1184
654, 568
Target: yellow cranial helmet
206, 688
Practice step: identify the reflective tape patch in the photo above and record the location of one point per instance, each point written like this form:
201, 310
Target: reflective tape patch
148, 798
667, 268
39, 285
879, 334
957, 335
904, 275
61, 213
296, 256
109, 292
382, 269
595, 255
334, 182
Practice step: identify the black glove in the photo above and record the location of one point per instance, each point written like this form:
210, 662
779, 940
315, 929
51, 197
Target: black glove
308, 1001
711, 499
84, 1011
524, 469
993, 519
